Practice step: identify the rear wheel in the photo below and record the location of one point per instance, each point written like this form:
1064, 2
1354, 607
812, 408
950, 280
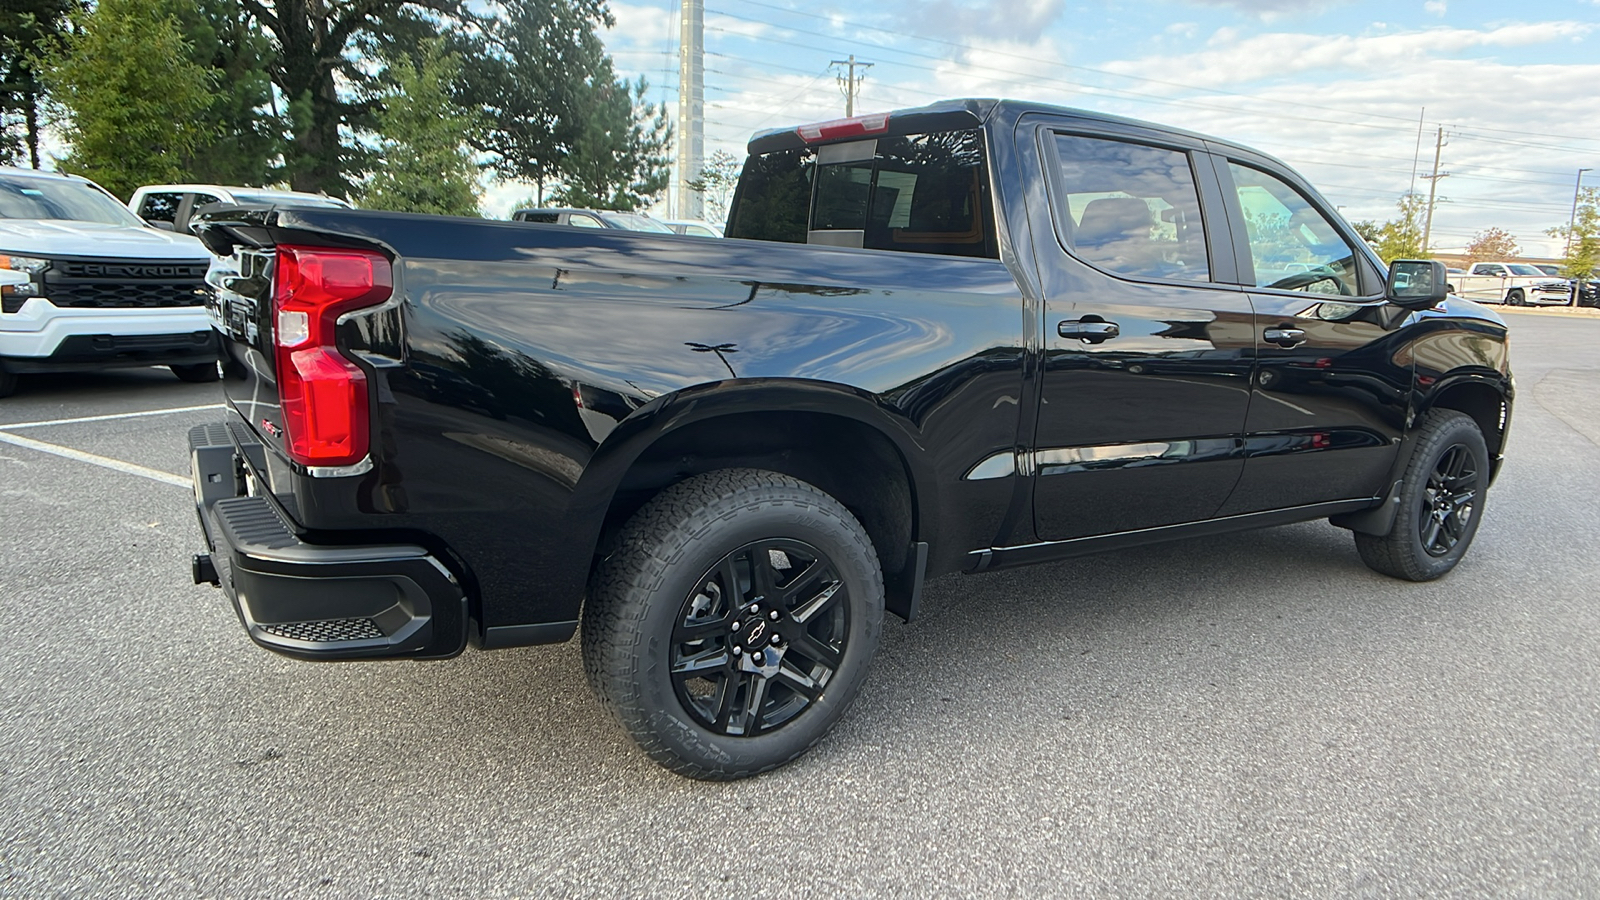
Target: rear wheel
198, 373
1441, 501
8, 383
734, 623
1515, 298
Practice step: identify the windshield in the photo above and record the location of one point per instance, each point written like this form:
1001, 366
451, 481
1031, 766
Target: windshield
1521, 269
286, 199
634, 223
24, 197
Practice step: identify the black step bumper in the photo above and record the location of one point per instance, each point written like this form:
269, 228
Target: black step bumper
316, 601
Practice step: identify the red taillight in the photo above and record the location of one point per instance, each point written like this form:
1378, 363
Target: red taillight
838, 128
324, 394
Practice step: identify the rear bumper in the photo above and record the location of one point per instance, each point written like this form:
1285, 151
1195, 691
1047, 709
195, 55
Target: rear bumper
316, 601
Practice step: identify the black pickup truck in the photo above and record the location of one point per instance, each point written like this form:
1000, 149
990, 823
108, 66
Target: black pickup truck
947, 339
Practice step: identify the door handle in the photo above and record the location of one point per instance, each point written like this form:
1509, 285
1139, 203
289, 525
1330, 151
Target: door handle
1089, 329
1284, 337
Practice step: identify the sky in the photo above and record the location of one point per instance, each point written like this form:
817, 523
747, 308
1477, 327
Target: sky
1335, 89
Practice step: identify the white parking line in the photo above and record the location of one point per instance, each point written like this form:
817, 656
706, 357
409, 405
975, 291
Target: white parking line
130, 415
104, 462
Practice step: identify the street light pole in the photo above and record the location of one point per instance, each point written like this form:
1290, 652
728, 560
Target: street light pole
1572, 223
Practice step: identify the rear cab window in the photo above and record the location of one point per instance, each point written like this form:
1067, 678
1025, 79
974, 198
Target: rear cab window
918, 193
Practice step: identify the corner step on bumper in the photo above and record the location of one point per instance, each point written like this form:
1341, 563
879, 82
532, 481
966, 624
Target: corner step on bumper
316, 601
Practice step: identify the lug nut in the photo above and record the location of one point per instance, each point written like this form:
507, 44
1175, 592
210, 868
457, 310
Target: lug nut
776, 640
757, 657
773, 615
755, 608
738, 650
735, 625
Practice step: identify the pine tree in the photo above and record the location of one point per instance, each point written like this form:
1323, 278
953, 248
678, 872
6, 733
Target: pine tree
427, 165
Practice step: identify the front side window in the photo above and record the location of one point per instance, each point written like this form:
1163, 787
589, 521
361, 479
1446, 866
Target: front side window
1293, 246
1524, 269
1131, 208
584, 222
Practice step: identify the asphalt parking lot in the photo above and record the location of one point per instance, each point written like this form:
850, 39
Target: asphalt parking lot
1252, 715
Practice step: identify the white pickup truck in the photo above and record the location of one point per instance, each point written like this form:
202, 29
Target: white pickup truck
85, 284
1514, 284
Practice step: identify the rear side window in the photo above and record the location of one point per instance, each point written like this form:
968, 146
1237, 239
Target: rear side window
1132, 209
925, 193
161, 207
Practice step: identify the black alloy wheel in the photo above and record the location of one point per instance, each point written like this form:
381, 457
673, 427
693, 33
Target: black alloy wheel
1441, 500
1451, 491
1515, 298
760, 638
734, 622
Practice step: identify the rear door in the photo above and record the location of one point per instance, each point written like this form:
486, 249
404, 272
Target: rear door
1331, 389
1148, 345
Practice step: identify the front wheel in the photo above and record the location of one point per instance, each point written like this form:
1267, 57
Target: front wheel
734, 623
1516, 298
1441, 501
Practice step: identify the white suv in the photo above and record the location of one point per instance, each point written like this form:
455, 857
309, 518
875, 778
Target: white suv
84, 284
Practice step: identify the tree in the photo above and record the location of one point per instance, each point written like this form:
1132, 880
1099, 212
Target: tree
427, 167
132, 101
617, 154
715, 183
1401, 238
1583, 237
1368, 230
26, 28
246, 136
527, 71
1492, 244
312, 49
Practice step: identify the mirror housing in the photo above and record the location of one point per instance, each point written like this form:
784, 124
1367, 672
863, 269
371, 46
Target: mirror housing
1416, 283
157, 223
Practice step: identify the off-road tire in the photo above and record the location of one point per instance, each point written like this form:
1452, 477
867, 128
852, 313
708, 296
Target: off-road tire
636, 597
1515, 297
1401, 553
196, 373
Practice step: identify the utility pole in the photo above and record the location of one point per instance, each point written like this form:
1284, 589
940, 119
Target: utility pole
691, 105
1572, 223
1416, 152
1433, 187
849, 83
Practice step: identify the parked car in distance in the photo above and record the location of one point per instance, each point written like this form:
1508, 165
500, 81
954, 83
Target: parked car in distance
171, 206
591, 218
85, 284
1510, 283
693, 227
955, 338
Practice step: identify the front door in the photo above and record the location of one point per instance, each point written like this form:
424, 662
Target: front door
1331, 387
1148, 350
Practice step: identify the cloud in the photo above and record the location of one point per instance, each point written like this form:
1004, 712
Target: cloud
1269, 10
1233, 59
1437, 7
1008, 19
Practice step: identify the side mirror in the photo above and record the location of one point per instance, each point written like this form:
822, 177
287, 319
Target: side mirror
1416, 283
